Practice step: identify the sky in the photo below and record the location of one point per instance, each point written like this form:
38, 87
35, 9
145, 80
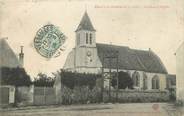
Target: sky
155, 24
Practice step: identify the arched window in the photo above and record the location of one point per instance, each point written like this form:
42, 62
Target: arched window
90, 38
145, 81
136, 79
86, 38
155, 82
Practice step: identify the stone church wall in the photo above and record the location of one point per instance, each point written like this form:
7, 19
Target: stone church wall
162, 78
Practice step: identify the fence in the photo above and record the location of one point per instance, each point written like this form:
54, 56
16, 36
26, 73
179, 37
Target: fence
36, 95
82, 95
78, 95
44, 96
85, 95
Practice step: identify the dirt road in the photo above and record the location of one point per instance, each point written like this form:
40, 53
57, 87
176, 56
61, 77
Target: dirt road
131, 109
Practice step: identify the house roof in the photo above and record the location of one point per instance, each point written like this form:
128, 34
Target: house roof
85, 24
7, 56
132, 59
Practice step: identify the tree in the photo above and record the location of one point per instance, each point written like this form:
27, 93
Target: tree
14, 76
73, 79
43, 80
124, 80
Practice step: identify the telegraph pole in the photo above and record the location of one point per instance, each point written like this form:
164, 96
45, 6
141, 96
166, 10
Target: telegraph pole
110, 55
110, 78
117, 88
102, 83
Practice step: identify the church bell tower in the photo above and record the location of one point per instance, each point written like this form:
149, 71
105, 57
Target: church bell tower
85, 33
86, 58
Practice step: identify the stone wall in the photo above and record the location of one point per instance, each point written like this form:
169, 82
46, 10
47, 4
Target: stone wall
125, 96
83, 95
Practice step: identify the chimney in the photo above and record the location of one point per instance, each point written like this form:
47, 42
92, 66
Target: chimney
21, 57
149, 51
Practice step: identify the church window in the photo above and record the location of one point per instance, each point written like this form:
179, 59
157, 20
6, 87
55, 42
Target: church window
145, 81
155, 82
78, 39
90, 37
86, 38
136, 79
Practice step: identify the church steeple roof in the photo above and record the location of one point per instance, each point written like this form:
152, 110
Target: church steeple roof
85, 23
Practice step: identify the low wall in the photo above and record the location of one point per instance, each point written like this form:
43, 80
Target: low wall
125, 96
83, 95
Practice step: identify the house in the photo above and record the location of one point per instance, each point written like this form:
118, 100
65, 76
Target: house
7, 56
180, 73
144, 67
8, 59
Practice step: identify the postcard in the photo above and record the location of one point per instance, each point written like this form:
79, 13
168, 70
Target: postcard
92, 57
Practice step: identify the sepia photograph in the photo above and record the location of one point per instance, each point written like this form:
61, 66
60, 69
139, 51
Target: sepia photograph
91, 58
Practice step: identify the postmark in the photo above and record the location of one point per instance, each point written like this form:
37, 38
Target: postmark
49, 40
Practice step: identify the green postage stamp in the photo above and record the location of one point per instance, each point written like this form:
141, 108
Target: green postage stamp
48, 40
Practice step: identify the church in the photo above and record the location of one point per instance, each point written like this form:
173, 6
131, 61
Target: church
144, 67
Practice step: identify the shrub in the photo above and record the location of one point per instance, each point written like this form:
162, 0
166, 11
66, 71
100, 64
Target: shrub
71, 79
125, 81
43, 80
179, 103
80, 95
14, 76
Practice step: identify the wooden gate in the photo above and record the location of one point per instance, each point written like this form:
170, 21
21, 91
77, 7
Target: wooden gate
4, 96
44, 96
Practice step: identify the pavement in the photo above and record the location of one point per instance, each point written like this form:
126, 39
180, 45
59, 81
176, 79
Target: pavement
126, 109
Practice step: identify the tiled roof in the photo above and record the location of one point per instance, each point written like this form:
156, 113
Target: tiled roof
131, 59
85, 23
7, 56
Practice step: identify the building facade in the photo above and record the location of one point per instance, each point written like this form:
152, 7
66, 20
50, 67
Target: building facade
144, 67
180, 73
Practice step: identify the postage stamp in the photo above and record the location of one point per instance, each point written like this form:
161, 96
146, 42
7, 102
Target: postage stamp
48, 40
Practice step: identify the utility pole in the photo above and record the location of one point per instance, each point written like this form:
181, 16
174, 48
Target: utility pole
117, 88
110, 78
102, 83
110, 55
